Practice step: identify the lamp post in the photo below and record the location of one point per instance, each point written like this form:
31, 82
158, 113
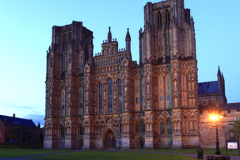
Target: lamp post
215, 118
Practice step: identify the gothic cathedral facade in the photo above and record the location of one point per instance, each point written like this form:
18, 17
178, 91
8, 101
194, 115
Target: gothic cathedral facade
109, 101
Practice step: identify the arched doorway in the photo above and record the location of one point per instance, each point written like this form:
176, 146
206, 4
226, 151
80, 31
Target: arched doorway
109, 140
141, 144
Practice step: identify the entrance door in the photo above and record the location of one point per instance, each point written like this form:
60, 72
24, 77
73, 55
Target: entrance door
109, 143
110, 140
114, 143
141, 144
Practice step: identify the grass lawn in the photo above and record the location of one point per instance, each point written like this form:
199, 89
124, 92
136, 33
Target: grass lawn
111, 155
22, 152
191, 151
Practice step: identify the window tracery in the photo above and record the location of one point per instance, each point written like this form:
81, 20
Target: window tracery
100, 97
159, 19
120, 98
110, 95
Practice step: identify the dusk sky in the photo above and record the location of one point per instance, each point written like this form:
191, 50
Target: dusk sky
26, 31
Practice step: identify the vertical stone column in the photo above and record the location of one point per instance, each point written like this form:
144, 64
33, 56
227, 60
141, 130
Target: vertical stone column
177, 136
86, 137
126, 131
148, 130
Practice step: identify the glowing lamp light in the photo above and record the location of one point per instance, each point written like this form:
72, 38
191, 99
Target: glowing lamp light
214, 117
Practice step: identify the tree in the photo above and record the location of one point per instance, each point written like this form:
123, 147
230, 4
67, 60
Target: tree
236, 129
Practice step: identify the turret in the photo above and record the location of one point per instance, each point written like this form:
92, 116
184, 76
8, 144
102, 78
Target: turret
128, 41
219, 81
109, 35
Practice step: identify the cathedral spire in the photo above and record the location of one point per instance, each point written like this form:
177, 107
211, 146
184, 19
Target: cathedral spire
109, 35
219, 72
128, 41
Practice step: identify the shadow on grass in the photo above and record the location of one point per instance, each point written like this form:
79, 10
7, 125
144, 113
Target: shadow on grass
112, 155
206, 151
8, 153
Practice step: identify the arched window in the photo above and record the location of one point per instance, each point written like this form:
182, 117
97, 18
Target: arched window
167, 19
169, 126
159, 18
162, 128
81, 130
100, 97
167, 36
142, 126
110, 96
137, 127
63, 102
62, 132
168, 90
81, 101
120, 98
64, 53
142, 94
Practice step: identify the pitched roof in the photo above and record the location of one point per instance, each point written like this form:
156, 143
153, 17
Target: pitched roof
20, 121
208, 87
227, 107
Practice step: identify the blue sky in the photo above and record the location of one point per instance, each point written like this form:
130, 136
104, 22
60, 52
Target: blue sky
26, 31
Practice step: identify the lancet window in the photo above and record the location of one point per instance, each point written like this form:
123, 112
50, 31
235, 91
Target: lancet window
81, 130
142, 94
142, 126
100, 97
167, 19
162, 128
169, 126
159, 18
64, 53
81, 97
137, 127
63, 102
120, 98
110, 100
62, 132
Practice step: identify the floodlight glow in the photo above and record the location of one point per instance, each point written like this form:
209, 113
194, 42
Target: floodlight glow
214, 117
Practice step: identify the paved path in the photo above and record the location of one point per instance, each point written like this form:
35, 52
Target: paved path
190, 155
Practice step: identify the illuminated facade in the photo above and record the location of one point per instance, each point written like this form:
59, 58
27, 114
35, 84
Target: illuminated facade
109, 101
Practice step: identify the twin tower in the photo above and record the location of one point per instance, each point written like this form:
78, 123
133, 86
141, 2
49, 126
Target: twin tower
109, 101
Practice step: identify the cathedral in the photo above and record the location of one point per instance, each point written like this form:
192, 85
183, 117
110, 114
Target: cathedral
108, 100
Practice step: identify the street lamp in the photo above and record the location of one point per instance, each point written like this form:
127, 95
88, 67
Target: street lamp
215, 117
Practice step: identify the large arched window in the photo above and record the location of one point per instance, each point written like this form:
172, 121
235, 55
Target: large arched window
167, 19
169, 126
62, 131
81, 101
159, 18
100, 97
168, 89
142, 126
63, 102
162, 128
142, 94
81, 130
137, 127
110, 96
167, 36
64, 53
120, 98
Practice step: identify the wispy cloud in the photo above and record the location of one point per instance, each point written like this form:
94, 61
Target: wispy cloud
21, 107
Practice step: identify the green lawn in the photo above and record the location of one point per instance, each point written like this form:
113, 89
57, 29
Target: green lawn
191, 151
111, 155
21, 152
